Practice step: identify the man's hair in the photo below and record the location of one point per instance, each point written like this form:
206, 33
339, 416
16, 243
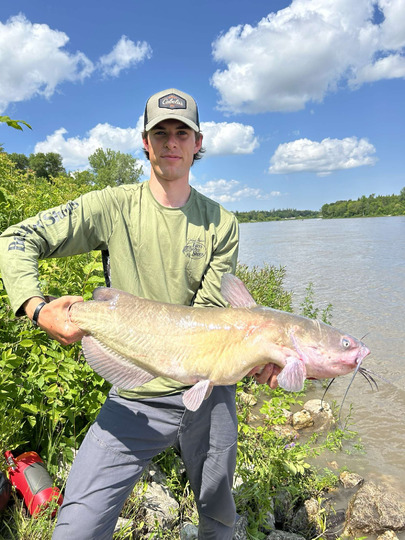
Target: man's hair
196, 157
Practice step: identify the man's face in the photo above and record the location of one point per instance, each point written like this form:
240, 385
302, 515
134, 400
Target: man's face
171, 146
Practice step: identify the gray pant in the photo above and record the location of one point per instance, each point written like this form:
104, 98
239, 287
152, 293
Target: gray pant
126, 436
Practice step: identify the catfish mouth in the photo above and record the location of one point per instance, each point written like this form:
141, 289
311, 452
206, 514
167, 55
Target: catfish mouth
363, 352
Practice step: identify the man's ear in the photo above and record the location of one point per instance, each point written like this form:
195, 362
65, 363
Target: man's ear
198, 143
145, 144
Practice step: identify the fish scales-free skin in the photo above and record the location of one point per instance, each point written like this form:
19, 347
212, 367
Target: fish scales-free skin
131, 340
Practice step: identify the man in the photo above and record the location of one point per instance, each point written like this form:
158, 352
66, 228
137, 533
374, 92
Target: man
166, 242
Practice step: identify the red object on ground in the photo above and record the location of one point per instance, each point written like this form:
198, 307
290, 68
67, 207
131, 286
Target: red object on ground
27, 473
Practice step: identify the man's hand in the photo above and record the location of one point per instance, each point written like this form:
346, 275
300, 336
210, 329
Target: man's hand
54, 318
266, 375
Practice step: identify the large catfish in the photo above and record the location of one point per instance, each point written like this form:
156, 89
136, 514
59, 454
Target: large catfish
132, 340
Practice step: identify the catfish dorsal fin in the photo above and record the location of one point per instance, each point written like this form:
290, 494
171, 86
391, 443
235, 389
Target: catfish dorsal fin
235, 292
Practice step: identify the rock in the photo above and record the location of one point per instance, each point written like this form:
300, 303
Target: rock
160, 506
388, 535
122, 523
240, 531
334, 465
288, 416
302, 419
350, 480
321, 414
247, 399
188, 531
306, 520
285, 432
282, 535
283, 506
374, 510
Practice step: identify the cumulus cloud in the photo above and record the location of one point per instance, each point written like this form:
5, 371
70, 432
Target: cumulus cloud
124, 55
322, 157
300, 53
225, 191
75, 150
226, 138
33, 61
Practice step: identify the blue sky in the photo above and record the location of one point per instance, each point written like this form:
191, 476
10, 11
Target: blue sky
301, 103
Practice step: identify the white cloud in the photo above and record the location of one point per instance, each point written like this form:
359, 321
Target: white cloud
300, 53
75, 150
322, 157
226, 138
33, 62
225, 191
124, 55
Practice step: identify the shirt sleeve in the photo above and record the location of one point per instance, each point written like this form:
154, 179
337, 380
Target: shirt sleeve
223, 261
77, 227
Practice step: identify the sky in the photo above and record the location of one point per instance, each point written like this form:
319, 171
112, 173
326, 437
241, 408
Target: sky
301, 102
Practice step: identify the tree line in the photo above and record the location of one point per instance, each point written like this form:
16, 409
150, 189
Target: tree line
275, 215
372, 206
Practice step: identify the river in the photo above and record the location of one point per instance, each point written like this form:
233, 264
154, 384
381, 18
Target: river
357, 265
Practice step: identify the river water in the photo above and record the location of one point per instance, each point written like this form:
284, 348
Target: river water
357, 265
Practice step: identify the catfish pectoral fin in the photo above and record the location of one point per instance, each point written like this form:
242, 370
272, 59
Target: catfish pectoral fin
194, 396
292, 376
116, 369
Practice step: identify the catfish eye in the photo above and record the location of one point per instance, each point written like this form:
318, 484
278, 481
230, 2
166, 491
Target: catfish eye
346, 343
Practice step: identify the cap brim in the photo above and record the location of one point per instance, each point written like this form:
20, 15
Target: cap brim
169, 116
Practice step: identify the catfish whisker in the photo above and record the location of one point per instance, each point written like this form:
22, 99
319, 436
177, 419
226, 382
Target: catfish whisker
326, 389
369, 371
369, 378
347, 390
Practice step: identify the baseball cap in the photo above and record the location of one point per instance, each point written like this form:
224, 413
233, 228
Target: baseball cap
171, 104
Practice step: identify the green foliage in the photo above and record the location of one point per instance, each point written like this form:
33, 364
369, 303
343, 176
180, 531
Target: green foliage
21, 161
274, 215
47, 165
309, 310
372, 206
14, 123
266, 285
23, 194
112, 168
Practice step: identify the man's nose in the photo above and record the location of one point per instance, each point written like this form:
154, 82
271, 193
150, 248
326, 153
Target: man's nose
171, 140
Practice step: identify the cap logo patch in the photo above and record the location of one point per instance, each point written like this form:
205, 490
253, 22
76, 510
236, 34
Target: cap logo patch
172, 101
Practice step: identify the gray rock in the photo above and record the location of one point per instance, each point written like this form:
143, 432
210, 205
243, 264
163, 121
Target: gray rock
307, 518
240, 531
350, 480
188, 531
160, 506
374, 510
282, 535
121, 524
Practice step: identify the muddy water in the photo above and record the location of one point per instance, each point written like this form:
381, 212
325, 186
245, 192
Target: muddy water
357, 265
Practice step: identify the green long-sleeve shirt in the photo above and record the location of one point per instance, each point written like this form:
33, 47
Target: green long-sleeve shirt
174, 255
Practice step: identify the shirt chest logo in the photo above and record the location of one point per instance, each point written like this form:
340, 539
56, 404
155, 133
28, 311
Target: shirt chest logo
194, 249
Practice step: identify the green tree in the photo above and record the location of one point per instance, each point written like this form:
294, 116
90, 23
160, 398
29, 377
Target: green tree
46, 165
21, 161
113, 168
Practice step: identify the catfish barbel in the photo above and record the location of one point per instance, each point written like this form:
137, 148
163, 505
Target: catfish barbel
131, 340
